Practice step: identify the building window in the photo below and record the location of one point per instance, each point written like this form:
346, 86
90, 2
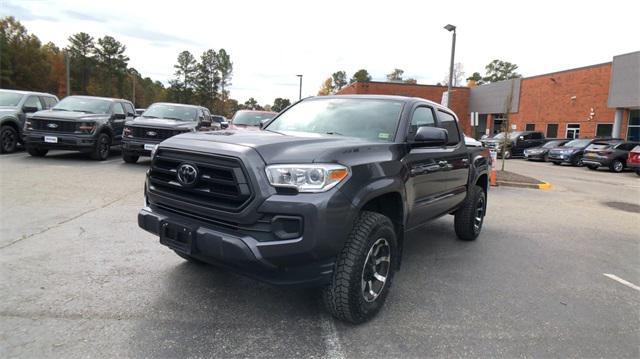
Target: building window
552, 130
633, 130
573, 130
604, 129
530, 127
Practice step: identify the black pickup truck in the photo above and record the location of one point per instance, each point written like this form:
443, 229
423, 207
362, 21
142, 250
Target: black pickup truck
159, 122
78, 123
516, 143
324, 196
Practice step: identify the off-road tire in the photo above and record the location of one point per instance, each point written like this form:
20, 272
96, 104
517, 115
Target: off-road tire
8, 139
37, 152
466, 221
344, 297
101, 150
129, 157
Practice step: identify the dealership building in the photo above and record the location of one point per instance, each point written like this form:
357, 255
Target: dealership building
592, 101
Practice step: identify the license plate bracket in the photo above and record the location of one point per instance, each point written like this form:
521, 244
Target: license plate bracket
50, 139
149, 147
177, 236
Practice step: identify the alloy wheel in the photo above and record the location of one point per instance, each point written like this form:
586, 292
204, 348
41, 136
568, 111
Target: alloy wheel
479, 216
8, 140
376, 269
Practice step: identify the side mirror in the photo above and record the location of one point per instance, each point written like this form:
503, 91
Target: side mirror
521, 138
264, 122
29, 109
119, 116
430, 136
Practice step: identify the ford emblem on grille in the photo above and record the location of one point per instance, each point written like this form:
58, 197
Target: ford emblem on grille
52, 125
187, 174
152, 133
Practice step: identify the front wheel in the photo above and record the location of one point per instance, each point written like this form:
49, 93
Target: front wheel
37, 152
101, 150
129, 157
8, 139
469, 218
364, 270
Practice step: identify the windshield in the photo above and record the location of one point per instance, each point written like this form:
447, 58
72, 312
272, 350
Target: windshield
363, 118
577, 143
172, 112
83, 104
600, 145
10, 99
250, 118
551, 144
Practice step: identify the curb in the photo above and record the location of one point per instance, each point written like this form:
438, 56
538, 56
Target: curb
542, 186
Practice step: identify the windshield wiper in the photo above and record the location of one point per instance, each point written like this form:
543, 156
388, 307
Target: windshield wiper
174, 118
334, 133
149, 116
59, 109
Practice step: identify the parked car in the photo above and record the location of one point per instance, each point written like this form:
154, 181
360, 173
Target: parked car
633, 161
15, 106
224, 124
573, 151
471, 142
249, 119
541, 153
159, 122
516, 142
612, 154
78, 123
322, 197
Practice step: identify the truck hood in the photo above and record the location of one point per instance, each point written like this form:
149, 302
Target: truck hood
160, 123
276, 148
69, 115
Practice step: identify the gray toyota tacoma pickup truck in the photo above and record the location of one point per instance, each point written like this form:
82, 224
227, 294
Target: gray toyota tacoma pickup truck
324, 196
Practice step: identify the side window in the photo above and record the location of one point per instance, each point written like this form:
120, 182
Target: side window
33, 101
207, 114
117, 108
422, 116
448, 122
49, 102
129, 109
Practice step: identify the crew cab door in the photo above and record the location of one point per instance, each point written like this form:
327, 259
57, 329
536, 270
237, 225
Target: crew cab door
118, 118
437, 175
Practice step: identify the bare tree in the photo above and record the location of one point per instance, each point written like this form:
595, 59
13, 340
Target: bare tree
506, 125
458, 75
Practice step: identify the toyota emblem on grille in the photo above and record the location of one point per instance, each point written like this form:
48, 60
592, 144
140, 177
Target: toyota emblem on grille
151, 133
52, 125
187, 174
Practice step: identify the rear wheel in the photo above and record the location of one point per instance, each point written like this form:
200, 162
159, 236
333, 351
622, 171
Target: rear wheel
469, 218
364, 270
37, 152
8, 139
578, 162
616, 166
129, 157
101, 150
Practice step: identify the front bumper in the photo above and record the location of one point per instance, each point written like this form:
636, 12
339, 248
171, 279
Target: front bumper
600, 161
535, 156
257, 249
65, 141
561, 157
137, 146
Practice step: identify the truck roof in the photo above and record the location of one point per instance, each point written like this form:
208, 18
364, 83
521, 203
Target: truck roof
28, 92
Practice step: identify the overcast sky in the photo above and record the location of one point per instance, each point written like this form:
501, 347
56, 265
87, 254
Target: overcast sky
272, 41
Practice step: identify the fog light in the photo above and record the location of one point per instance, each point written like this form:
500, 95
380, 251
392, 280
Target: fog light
287, 227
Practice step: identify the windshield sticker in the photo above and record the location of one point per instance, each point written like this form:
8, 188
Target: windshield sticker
383, 135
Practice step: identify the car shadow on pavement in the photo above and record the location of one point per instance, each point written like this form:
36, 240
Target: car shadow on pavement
204, 311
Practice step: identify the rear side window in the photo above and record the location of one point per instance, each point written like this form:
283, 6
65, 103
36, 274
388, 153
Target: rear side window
448, 122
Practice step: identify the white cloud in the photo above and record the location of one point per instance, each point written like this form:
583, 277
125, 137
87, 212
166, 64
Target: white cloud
272, 41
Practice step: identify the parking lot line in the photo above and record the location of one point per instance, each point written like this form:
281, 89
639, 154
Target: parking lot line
330, 335
622, 281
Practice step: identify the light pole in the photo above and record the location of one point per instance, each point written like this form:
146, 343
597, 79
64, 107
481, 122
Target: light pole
300, 90
451, 28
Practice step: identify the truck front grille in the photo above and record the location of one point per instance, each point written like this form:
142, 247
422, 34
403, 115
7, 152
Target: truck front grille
221, 182
53, 125
153, 133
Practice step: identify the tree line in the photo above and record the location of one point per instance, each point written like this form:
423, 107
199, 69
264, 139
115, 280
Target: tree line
100, 67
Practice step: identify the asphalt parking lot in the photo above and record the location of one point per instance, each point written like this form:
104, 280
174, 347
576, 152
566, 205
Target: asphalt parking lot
79, 279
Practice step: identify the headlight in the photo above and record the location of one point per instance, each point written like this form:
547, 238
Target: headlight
307, 178
153, 151
28, 124
85, 127
127, 132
